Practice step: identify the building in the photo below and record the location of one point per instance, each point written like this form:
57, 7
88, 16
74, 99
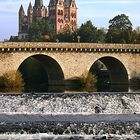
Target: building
62, 14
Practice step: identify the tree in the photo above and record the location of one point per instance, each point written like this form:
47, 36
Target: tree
40, 28
88, 32
66, 35
101, 34
136, 33
120, 30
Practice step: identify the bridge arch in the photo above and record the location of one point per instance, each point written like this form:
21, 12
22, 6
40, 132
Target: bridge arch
42, 73
111, 73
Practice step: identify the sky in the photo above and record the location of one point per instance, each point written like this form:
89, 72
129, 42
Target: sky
98, 11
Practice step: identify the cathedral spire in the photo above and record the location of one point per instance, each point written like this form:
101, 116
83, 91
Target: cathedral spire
30, 6
38, 3
21, 11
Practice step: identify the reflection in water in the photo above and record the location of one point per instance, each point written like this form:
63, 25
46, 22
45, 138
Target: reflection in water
77, 88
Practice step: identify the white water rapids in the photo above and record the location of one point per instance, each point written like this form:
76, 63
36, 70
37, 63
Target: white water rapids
53, 104
121, 105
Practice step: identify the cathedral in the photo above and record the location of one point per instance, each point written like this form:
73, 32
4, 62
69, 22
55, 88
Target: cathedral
62, 14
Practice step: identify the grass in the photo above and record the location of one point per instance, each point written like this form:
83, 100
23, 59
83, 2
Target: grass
11, 82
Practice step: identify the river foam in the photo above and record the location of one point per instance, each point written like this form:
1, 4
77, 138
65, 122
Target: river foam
119, 103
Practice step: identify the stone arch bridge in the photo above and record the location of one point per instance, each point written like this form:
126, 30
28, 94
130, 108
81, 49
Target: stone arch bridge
59, 61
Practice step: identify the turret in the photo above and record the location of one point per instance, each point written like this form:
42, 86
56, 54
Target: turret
30, 15
21, 11
21, 17
30, 7
38, 3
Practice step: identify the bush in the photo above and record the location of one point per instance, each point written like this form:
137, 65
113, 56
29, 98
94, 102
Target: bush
88, 81
11, 82
135, 81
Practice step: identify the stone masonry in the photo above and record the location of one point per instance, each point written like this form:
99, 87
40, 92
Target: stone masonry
73, 58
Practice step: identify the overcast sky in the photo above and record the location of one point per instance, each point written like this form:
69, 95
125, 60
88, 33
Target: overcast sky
99, 11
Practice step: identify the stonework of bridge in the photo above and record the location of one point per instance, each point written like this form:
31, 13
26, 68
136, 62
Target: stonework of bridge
73, 59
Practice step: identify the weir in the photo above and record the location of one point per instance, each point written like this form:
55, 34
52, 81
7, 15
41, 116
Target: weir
65, 103
97, 115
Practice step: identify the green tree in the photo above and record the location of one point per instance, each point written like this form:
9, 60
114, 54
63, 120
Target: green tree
101, 34
120, 30
136, 33
88, 32
40, 28
65, 36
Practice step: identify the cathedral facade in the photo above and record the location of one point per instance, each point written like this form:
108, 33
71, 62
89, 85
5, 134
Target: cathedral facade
62, 14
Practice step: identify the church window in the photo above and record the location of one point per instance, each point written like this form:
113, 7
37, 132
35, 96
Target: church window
59, 12
72, 22
66, 15
72, 15
59, 20
73, 4
60, 2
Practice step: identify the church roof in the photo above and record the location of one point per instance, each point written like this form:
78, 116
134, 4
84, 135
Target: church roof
67, 3
30, 6
53, 2
38, 3
21, 10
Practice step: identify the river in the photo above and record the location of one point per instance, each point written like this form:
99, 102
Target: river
65, 116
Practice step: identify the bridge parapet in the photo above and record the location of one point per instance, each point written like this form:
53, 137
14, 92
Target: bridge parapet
69, 47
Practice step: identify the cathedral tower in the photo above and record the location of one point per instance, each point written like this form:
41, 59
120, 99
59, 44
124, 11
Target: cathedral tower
56, 15
23, 25
21, 17
62, 15
39, 10
30, 15
70, 14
